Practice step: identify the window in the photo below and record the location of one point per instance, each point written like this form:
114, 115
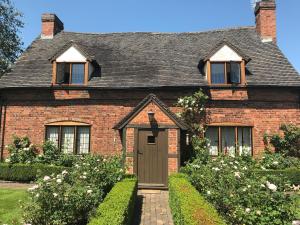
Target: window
151, 140
225, 73
70, 73
70, 139
229, 140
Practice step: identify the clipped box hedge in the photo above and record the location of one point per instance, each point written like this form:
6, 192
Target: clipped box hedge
188, 206
118, 206
292, 174
26, 172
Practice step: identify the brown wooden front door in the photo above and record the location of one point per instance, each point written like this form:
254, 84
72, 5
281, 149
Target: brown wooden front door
152, 158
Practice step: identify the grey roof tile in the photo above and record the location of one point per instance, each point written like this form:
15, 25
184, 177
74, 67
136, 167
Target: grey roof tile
142, 59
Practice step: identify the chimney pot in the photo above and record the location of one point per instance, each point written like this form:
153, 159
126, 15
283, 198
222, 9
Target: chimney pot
51, 25
265, 16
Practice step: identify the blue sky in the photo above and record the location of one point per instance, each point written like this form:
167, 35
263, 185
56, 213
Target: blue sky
160, 16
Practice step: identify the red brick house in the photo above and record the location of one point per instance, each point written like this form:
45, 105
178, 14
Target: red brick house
115, 93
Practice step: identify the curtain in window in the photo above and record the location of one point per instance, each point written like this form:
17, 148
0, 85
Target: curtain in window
235, 72
83, 140
60, 72
67, 143
217, 73
244, 140
52, 135
77, 73
212, 134
228, 140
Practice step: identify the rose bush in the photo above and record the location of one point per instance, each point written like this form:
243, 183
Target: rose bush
71, 197
240, 196
21, 151
277, 161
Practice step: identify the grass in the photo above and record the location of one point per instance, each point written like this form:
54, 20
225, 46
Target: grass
297, 197
10, 211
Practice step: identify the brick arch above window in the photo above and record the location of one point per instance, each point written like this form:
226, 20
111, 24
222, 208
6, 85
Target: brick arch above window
66, 122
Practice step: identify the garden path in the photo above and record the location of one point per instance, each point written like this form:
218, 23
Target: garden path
13, 185
152, 208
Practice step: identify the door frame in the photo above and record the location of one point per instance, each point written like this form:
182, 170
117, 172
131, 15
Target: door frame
135, 155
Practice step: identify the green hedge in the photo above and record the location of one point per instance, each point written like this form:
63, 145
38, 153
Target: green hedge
292, 174
26, 172
188, 206
118, 206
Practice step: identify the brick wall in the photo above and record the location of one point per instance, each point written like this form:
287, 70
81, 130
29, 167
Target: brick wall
27, 112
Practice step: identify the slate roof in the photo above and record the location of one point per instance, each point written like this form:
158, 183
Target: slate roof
137, 60
150, 98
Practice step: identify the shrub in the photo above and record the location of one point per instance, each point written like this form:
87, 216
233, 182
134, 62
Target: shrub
26, 172
291, 174
289, 144
118, 206
71, 196
276, 161
188, 206
241, 196
21, 151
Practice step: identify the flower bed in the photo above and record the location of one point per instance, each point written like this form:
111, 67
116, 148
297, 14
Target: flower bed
72, 196
239, 194
188, 206
291, 174
26, 172
118, 206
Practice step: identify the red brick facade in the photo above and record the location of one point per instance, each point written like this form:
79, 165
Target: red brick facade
27, 113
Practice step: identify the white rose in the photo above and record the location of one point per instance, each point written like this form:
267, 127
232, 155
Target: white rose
208, 192
55, 195
247, 210
271, 186
89, 191
275, 163
237, 174
46, 178
258, 212
59, 181
64, 172
7, 160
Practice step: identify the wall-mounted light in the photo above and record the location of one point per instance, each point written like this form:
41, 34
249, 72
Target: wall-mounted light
151, 115
187, 139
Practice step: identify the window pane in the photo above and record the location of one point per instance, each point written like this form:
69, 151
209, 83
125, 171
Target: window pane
83, 140
62, 73
217, 73
52, 135
244, 140
67, 143
228, 140
235, 72
212, 134
77, 73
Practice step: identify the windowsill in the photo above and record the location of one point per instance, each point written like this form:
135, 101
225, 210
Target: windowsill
227, 85
69, 85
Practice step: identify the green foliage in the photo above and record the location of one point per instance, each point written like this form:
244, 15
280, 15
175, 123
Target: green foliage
118, 206
26, 172
21, 151
291, 174
239, 194
71, 196
194, 115
188, 206
50, 153
10, 43
277, 161
289, 144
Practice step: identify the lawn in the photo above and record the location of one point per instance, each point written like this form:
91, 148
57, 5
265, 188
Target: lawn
10, 211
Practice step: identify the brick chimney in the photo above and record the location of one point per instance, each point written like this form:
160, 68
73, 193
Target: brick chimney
51, 25
265, 16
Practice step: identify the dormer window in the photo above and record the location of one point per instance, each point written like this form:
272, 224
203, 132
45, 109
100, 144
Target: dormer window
225, 65
70, 73
225, 72
72, 65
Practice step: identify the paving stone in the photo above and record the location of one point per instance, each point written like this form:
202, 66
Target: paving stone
152, 208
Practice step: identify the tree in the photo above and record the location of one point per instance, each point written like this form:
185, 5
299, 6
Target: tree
10, 42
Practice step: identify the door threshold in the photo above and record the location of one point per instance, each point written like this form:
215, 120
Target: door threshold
152, 186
